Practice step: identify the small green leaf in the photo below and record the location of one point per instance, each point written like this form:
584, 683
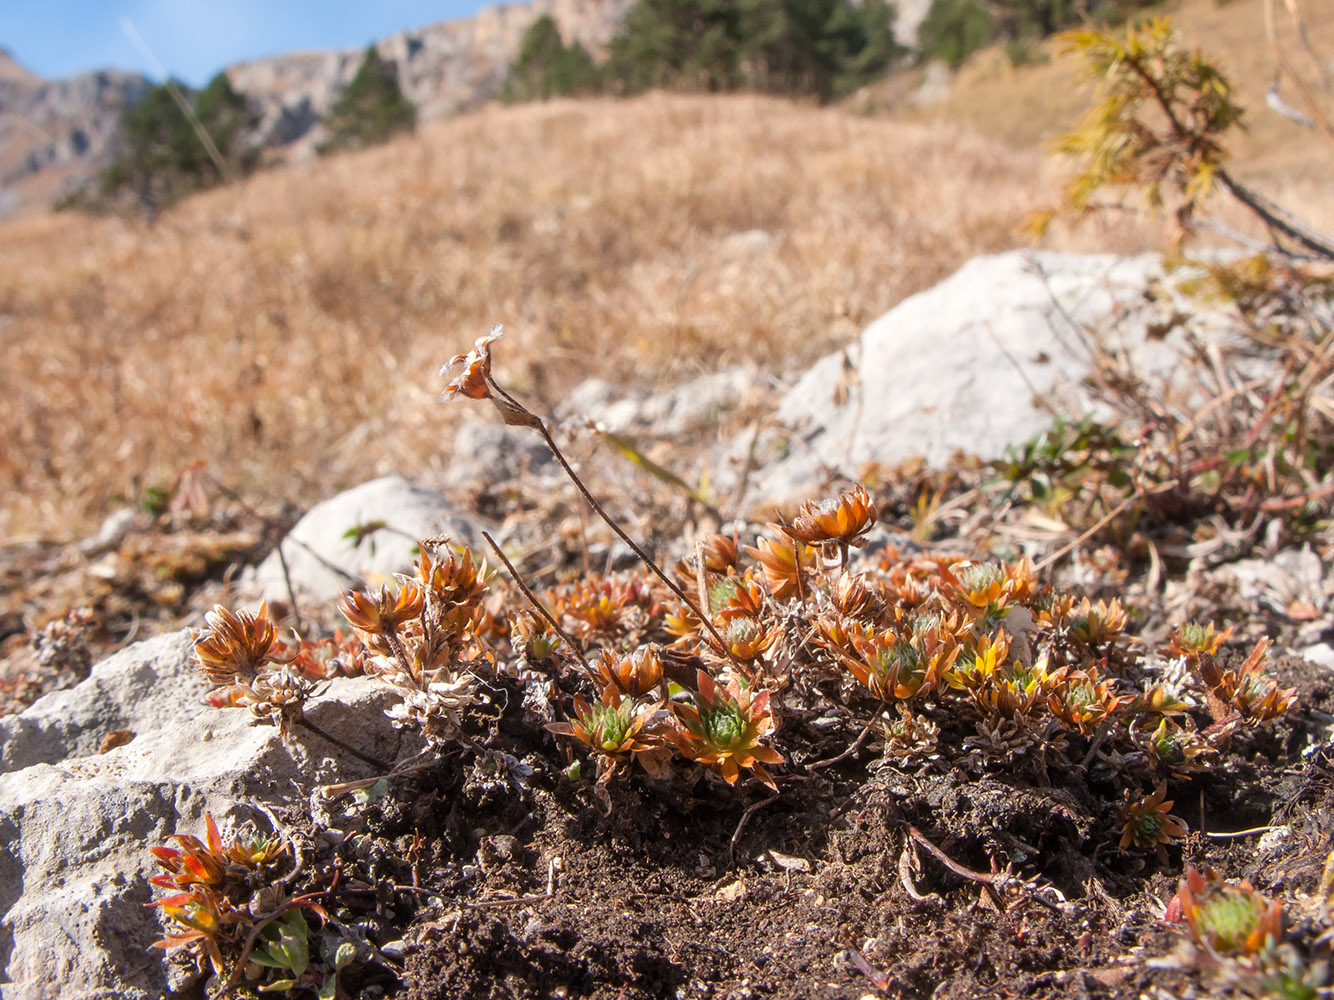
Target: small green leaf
377, 791
358, 533
262, 956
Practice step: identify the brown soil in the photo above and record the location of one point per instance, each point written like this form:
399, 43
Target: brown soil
528, 886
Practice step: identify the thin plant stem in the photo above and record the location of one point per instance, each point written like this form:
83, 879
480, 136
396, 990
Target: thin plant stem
540, 426
541, 609
1274, 217
866, 731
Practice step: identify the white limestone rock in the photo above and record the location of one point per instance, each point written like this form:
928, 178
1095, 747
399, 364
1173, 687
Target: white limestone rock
323, 559
980, 362
685, 409
75, 827
486, 454
135, 689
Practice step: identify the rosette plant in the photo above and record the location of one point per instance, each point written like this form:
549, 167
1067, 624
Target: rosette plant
618, 729
836, 524
725, 730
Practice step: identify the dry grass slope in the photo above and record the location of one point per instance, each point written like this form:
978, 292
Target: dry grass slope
287, 331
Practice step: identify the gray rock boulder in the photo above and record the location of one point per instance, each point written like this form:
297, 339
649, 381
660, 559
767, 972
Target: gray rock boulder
75, 827
685, 409
325, 556
982, 361
135, 690
486, 454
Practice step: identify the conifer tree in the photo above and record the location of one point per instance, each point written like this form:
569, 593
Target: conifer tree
820, 48
371, 109
546, 67
166, 155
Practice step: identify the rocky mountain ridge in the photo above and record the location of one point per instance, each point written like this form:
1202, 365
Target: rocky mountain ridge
443, 68
57, 135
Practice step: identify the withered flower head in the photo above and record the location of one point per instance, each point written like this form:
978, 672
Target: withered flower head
851, 596
474, 380
235, 644
720, 552
451, 579
384, 611
533, 637
843, 520
748, 638
737, 597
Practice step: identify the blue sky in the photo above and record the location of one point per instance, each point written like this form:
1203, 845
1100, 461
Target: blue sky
193, 39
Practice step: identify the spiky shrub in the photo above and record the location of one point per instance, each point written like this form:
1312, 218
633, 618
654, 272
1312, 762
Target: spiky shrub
1228, 918
726, 729
1245, 690
1149, 822
618, 730
1237, 934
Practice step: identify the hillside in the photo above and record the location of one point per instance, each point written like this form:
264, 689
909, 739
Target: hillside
292, 322
295, 322
443, 68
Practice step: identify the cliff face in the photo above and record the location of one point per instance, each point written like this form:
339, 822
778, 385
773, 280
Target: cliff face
443, 68
55, 135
